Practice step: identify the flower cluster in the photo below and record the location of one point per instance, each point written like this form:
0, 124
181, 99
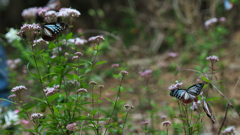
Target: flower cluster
36, 116
167, 124
124, 73
78, 54
71, 127
129, 107
50, 91
115, 65
209, 22
175, 86
30, 30
145, 123
195, 105
13, 63
163, 117
40, 42
82, 90
68, 13
75, 57
212, 58
30, 13
12, 96
96, 38
93, 83
42, 11
50, 16
78, 41
229, 130
11, 35
222, 19
101, 86
146, 73
72, 83
173, 54
17, 91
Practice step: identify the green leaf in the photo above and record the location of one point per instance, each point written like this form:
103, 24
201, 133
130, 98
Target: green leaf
205, 79
8, 100
213, 98
52, 97
33, 74
55, 110
39, 99
36, 128
100, 62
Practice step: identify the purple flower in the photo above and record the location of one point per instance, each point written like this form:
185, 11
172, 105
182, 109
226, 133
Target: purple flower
93, 83
96, 38
12, 96
30, 30
212, 58
78, 41
75, 57
82, 90
115, 65
50, 91
68, 13
101, 86
40, 42
146, 73
30, 13
167, 124
209, 22
173, 54
71, 127
163, 117
175, 86
145, 123
36, 116
50, 16
124, 73
78, 54
222, 19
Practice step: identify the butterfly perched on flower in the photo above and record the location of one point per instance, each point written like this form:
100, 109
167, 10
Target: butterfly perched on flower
54, 4
208, 111
188, 95
50, 30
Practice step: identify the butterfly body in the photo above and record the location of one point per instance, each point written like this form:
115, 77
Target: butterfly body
208, 111
188, 95
50, 30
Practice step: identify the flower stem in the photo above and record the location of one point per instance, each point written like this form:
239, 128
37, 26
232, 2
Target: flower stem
114, 104
125, 120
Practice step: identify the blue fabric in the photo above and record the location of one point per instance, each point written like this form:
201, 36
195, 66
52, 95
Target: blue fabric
4, 91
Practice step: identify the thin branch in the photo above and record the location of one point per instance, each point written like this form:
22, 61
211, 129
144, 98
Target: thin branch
235, 87
223, 119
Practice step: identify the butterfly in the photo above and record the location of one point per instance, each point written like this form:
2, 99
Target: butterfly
54, 4
227, 5
188, 95
208, 111
50, 30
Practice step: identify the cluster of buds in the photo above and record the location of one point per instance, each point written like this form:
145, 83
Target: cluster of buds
82, 90
195, 105
123, 73
146, 74
12, 64
51, 90
129, 107
115, 65
17, 91
212, 58
68, 14
31, 30
50, 16
173, 54
78, 41
96, 38
166, 124
40, 42
93, 83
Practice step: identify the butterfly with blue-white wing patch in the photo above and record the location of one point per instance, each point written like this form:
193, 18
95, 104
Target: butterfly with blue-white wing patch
188, 95
50, 30
208, 111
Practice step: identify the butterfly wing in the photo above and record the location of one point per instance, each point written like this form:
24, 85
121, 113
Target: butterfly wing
50, 30
182, 95
228, 5
208, 111
54, 4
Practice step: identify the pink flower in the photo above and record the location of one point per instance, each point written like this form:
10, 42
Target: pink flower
42, 11
18, 89
66, 53
80, 30
101, 86
75, 57
25, 122
175, 86
146, 73
222, 19
145, 123
115, 65
50, 16
209, 22
40, 42
82, 90
68, 13
12, 96
16, 111
50, 91
78, 54
173, 54
167, 124
36, 116
124, 73
212, 58
195, 105
30, 13
78, 41
163, 117
96, 38
93, 83
30, 30
71, 127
